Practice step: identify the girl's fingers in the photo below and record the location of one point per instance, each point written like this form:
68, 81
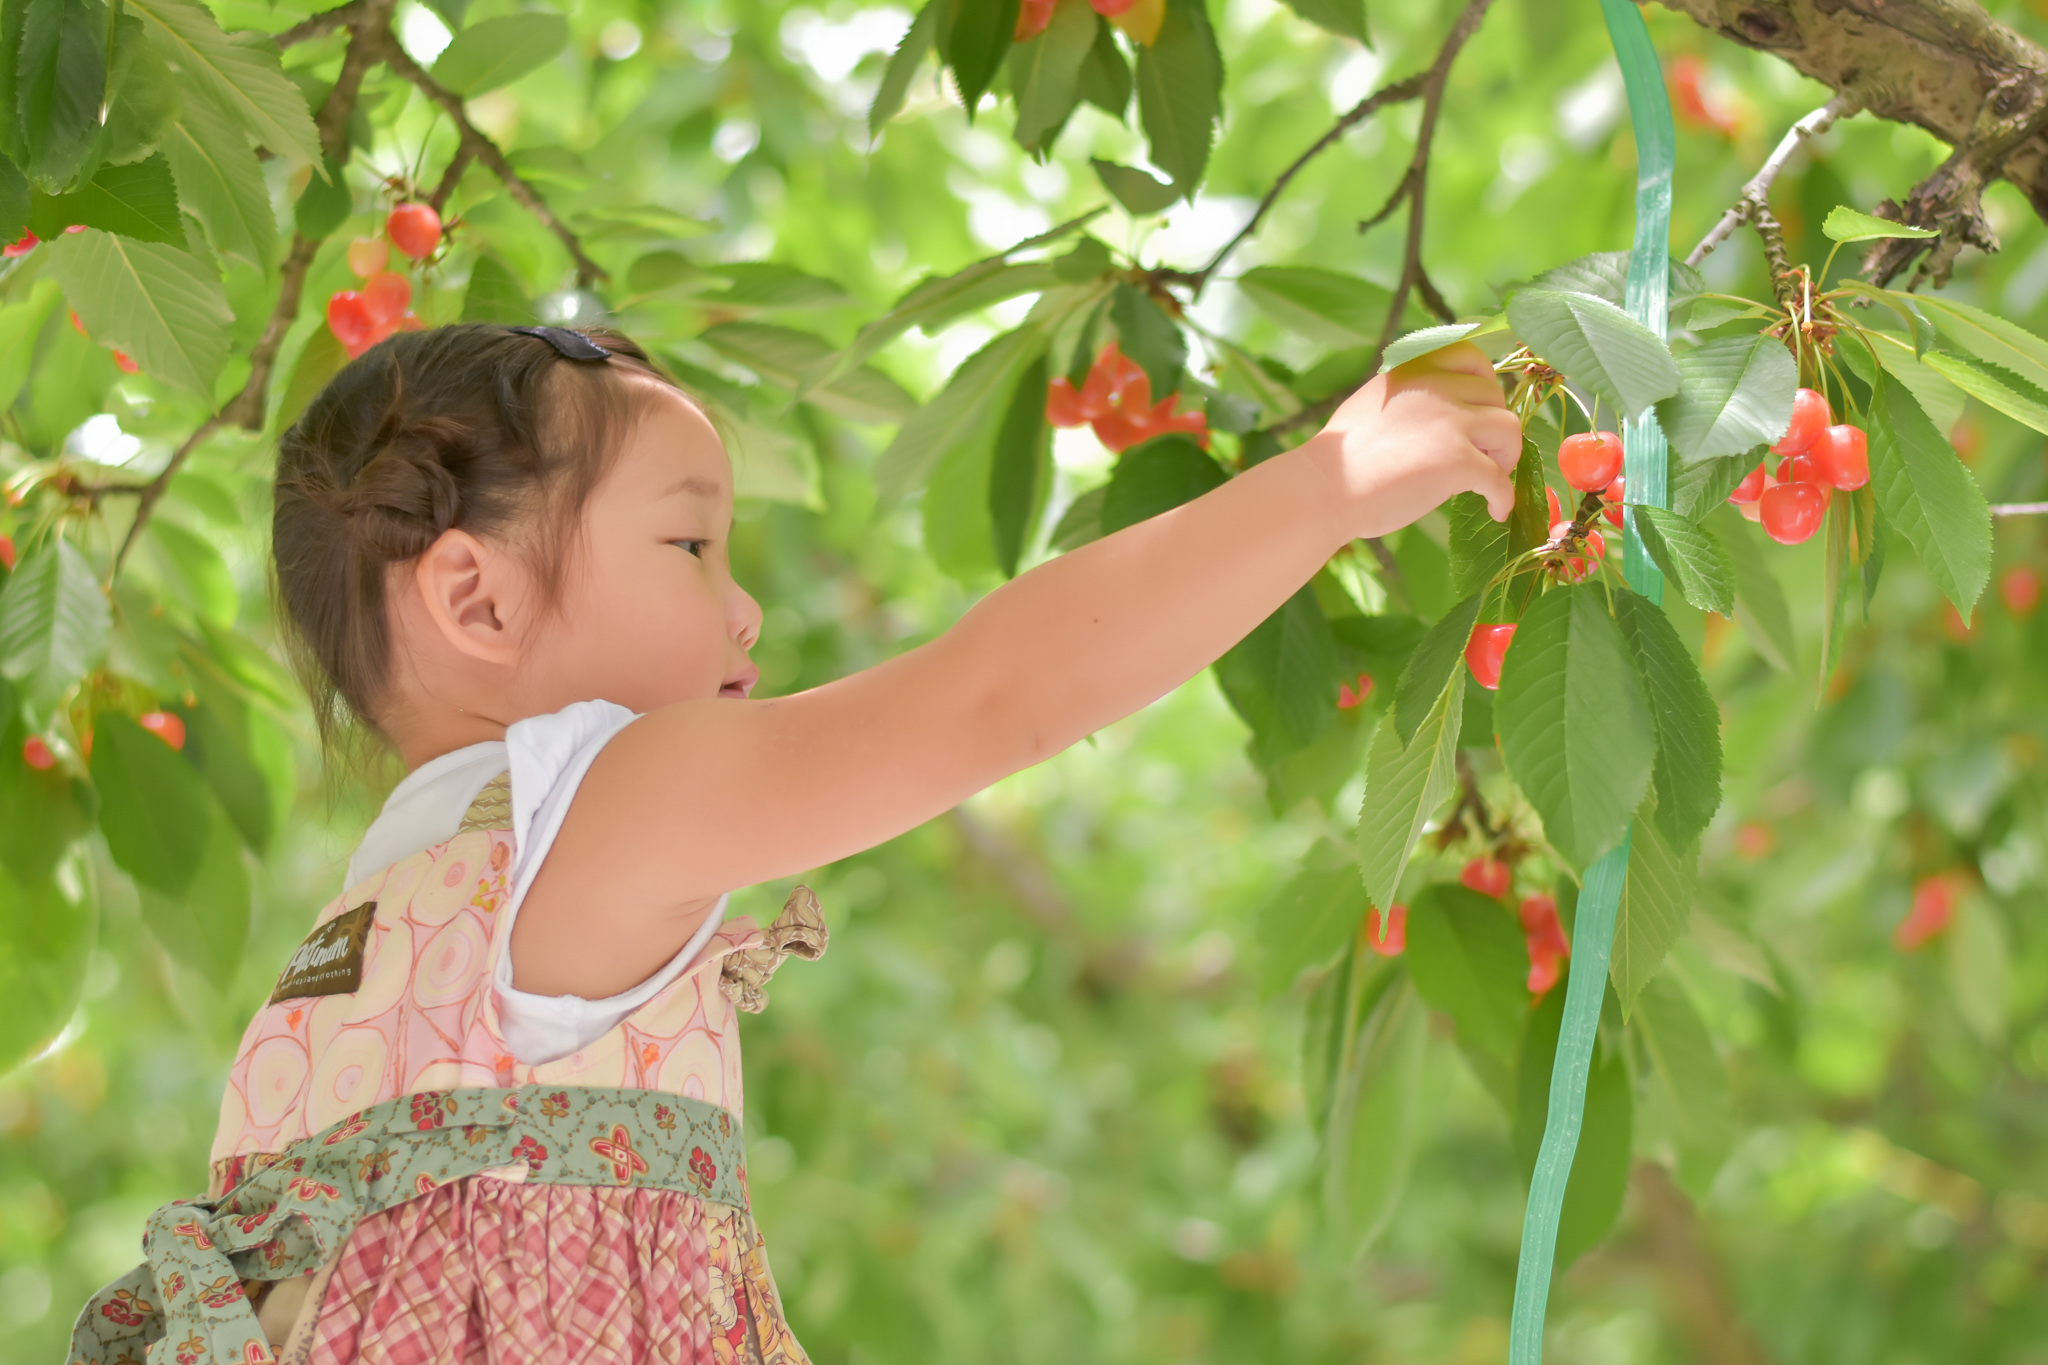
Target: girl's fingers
1458, 358
1491, 482
1498, 435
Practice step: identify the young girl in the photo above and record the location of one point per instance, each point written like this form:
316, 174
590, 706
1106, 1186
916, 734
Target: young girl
491, 1111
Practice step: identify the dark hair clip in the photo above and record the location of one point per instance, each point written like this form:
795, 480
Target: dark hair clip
569, 345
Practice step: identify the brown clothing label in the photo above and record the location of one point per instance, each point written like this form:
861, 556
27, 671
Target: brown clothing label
330, 961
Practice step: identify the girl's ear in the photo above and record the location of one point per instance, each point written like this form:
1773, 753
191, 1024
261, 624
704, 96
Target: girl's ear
472, 593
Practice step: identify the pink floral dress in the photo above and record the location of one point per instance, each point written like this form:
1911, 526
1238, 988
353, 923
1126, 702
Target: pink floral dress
387, 1009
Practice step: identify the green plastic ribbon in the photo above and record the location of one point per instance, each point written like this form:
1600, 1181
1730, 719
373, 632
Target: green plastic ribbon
1649, 275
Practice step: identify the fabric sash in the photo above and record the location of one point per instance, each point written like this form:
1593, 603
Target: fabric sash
289, 1217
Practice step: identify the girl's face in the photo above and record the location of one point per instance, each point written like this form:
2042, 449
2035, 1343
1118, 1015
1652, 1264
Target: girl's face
649, 613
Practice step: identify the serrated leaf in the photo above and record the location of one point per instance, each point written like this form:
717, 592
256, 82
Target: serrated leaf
1597, 345
934, 302
42, 814
1467, 958
783, 356
1687, 1091
903, 64
1323, 305
240, 72
1928, 496
14, 198
1425, 341
1282, 678
46, 943
1479, 544
62, 74
1345, 18
1995, 386
1694, 561
144, 96
1735, 393
973, 37
1311, 919
1180, 83
1574, 723
985, 378
1106, 76
1431, 667
1604, 275
1687, 774
154, 302
54, 621
1844, 224
1697, 489
139, 200
1081, 522
1759, 600
495, 294
1020, 469
221, 184
1599, 1174
1156, 477
1045, 73
154, 807
1137, 191
1938, 396
206, 925
1987, 336
1405, 784
499, 51
209, 587
1529, 523
1148, 337
1375, 1116
1656, 902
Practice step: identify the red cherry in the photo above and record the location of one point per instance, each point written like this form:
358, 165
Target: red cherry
1934, 909
414, 229
348, 317
1063, 404
1792, 511
1750, 489
1487, 875
1349, 697
37, 755
1810, 417
165, 726
1613, 514
1556, 509
1546, 965
1485, 651
1841, 456
1539, 916
1110, 9
1614, 491
124, 364
1755, 840
409, 321
1391, 941
1120, 433
2021, 587
1032, 18
76, 325
7, 553
1590, 459
27, 243
1799, 469
367, 255
386, 296
1192, 422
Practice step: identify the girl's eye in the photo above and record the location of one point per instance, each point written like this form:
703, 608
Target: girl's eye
695, 547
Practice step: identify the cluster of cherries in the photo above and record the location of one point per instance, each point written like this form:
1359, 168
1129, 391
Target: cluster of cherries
360, 318
36, 751
1034, 15
1116, 399
1542, 931
1819, 454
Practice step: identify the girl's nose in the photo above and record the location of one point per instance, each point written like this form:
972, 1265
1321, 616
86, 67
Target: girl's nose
743, 617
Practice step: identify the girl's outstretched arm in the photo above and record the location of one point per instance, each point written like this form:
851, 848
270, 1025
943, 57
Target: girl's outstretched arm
702, 797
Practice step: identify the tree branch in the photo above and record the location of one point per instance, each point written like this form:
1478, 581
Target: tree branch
320, 25
450, 178
1757, 193
483, 149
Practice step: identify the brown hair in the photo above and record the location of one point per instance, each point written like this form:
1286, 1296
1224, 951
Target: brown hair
471, 426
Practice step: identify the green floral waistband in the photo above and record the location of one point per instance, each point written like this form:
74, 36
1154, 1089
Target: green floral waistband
288, 1218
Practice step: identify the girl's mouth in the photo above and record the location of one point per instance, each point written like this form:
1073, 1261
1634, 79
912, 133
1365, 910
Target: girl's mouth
740, 685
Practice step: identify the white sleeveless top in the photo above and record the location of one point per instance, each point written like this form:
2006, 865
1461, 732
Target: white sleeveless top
547, 757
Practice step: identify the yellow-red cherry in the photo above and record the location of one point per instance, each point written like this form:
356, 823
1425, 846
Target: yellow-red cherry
1791, 512
386, 296
367, 255
1487, 875
165, 726
348, 317
1485, 651
1750, 489
1590, 459
414, 229
1810, 417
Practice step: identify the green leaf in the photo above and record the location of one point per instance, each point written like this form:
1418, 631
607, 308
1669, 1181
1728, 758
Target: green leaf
244, 757
494, 294
206, 925
319, 361
14, 199
209, 588
1426, 341
1479, 544
46, 943
499, 51
1281, 678
1596, 344
145, 96
1404, 786
158, 304
986, 378
1574, 724
973, 36
1147, 336
903, 64
240, 72
1995, 386
62, 78
1311, 919
1693, 560
1156, 477
1323, 305
1599, 1175
1346, 18
1656, 902
1467, 958
1759, 600
138, 200
1687, 773
1137, 191
1938, 396
1844, 224
934, 302
1020, 469
1045, 73
1440, 655
1604, 275
1735, 393
1928, 495
1698, 488
1375, 1117
154, 808
783, 356
221, 183
1985, 336
41, 813
1081, 522
1106, 76
1180, 85
325, 204
1529, 523
54, 621
1687, 1092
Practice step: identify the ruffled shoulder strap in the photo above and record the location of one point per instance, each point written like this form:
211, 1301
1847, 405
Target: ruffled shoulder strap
799, 931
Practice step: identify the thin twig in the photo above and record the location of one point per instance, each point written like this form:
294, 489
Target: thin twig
486, 151
450, 178
320, 25
1757, 193
2019, 509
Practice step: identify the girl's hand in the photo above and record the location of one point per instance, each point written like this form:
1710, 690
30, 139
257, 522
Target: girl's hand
1418, 434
